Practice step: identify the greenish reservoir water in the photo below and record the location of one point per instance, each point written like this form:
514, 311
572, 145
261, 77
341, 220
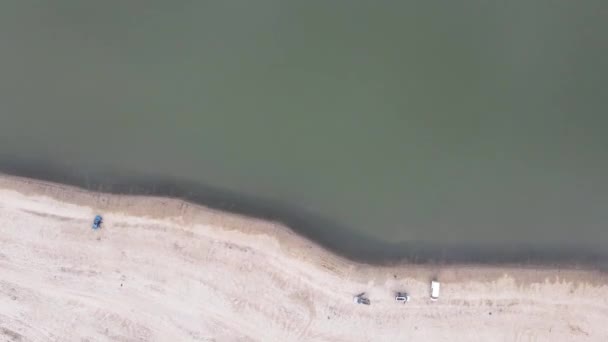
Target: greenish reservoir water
376, 127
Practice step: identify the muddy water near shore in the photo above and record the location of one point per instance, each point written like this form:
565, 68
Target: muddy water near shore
469, 131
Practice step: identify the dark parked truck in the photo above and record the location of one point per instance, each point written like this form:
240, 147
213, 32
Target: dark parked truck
361, 299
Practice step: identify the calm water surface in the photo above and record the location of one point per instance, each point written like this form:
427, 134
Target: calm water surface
415, 122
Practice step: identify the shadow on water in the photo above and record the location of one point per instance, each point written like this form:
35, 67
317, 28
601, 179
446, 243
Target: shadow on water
327, 232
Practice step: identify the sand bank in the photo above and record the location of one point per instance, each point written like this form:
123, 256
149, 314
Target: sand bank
166, 270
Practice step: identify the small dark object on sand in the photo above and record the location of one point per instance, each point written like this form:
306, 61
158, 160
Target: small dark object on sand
97, 222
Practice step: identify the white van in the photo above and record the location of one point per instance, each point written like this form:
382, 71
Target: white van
434, 290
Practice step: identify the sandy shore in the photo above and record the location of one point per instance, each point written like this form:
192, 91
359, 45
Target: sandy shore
166, 270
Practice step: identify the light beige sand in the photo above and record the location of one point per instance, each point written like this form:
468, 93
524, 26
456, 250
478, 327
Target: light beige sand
165, 270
